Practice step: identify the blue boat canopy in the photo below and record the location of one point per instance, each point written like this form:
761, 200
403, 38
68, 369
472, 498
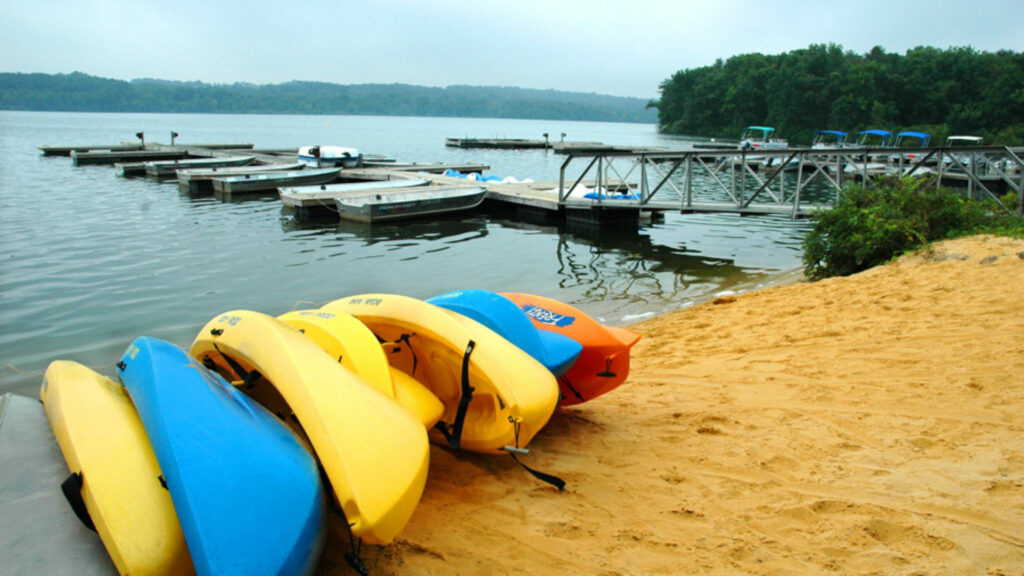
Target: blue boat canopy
921, 136
766, 130
862, 137
836, 133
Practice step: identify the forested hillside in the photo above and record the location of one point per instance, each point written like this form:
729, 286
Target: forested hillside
954, 91
84, 93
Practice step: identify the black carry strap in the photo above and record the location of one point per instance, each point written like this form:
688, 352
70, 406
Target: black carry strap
607, 373
543, 477
72, 489
352, 557
415, 361
563, 379
454, 435
513, 450
248, 378
455, 440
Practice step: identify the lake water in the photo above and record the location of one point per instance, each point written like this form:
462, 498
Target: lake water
90, 259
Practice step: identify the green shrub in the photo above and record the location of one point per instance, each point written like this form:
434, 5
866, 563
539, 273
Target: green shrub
871, 225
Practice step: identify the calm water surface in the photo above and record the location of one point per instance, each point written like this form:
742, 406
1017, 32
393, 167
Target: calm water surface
90, 260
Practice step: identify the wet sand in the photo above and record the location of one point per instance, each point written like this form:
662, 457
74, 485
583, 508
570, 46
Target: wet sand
864, 425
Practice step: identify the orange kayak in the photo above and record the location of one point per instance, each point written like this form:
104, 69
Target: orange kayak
604, 363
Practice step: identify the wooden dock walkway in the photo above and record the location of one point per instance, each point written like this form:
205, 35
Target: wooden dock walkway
631, 182
66, 150
496, 143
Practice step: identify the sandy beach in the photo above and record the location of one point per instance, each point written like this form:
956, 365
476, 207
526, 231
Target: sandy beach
872, 424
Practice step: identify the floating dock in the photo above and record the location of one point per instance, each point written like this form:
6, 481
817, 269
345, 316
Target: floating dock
562, 147
496, 143
105, 157
67, 150
617, 186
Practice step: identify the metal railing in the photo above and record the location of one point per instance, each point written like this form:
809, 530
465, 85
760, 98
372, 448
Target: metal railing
792, 181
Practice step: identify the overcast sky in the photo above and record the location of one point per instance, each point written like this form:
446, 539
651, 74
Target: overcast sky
621, 47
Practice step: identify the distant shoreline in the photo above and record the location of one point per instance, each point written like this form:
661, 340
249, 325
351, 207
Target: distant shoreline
79, 92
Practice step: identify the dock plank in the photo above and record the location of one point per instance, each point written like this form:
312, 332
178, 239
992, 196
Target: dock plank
67, 150
83, 158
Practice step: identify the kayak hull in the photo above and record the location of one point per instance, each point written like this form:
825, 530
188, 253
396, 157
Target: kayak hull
512, 396
246, 491
92, 417
603, 364
373, 452
555, 351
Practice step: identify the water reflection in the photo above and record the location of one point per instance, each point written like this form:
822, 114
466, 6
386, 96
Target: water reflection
601, 266
454, 229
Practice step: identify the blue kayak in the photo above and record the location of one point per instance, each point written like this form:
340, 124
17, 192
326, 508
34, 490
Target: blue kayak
556, 352
247, 493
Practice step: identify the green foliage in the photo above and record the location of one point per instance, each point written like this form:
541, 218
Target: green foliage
872, 224
954, 91
79, 92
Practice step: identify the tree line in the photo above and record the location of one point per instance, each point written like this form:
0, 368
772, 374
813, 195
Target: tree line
823, 87
80, 92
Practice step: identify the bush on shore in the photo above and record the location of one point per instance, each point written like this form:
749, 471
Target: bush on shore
871, 225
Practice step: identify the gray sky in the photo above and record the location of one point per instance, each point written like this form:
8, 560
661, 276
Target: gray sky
621, 47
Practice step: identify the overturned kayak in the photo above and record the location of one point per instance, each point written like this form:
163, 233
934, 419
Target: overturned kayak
555, 351
246, 491
355, 347
604, 362
93, 418
374, 453
495, 396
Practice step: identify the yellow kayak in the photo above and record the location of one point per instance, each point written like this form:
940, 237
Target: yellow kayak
103, 441
374, 453
495, 396
351, 343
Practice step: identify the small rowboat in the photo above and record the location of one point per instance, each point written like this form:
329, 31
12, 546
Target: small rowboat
169, 168
273, 180
408, 203
193, 180
324, 194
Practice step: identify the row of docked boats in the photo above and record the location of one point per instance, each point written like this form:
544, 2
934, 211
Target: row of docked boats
311, 184
891, 153
228, 457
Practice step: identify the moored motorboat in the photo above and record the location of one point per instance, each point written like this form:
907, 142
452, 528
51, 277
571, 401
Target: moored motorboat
760, 138
408, 203
247, 183
603, 364
246, 491
871, 164
828, 140
912, 139
320, 156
